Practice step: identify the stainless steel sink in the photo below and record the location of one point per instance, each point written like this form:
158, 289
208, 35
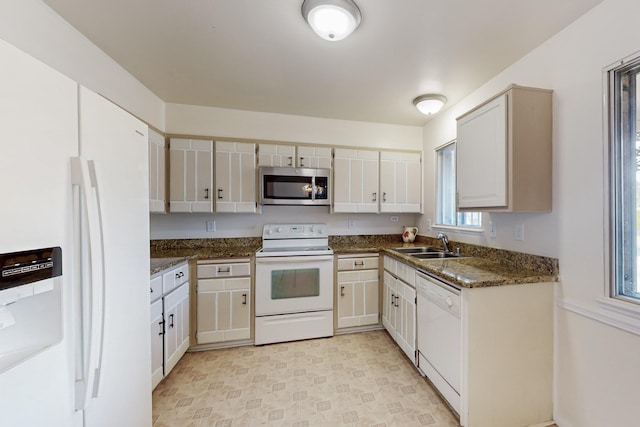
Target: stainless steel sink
433, 255
417, 250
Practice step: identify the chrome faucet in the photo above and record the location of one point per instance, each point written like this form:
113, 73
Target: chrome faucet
445, 241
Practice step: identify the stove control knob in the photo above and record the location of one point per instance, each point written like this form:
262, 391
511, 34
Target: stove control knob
269, 231
279, 230
320, 230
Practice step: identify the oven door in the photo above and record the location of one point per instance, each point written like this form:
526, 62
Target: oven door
294, 284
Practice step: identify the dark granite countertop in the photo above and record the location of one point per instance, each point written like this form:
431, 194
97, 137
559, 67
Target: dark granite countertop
478, 267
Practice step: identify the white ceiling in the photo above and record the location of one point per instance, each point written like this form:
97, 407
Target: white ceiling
260, 55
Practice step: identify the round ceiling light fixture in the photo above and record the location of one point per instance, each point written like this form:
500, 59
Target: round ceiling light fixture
332, 20
429, 104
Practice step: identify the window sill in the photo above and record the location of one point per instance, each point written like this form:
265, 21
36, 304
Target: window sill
459, 229
621, 315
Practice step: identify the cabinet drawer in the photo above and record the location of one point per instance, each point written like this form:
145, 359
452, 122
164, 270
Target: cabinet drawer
230, 284
175, 277
207, 271
156, 288
358, 263
391, 265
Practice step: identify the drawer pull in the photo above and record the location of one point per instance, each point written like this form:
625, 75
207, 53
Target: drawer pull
224, 270
244, 299
358, 264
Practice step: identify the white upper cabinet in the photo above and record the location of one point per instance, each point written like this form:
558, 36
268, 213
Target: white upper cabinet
303, 156
235, 177
355, 183
276, 155
191, 175
400, 182
503, 153
313, 157
157, 197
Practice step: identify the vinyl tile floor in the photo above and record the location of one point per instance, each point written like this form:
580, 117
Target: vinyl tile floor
360, 379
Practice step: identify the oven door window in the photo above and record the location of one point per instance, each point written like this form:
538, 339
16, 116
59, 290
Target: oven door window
296, 283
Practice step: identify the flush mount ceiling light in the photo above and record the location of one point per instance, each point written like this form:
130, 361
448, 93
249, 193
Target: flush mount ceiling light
429, 104
332, 20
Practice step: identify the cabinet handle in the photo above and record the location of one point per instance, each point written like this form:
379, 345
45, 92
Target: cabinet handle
290, 160
397, 299
301, 162
392, 300
171, 320
244, 299
206, 193
219, 193
384, 197
341, 291
224, 270
374, 197
161, 324
358, 264
151, 290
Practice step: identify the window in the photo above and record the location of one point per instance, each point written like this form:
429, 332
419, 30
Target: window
624, 169
446, 191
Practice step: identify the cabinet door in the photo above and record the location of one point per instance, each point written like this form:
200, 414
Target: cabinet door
313, 157
481, 156
400, 182
176, 317
156, 172
223, 309
276, 155
406, 320
157, 339
355, 181
235, 177
191, 175
388, 304
357, 298
346, 285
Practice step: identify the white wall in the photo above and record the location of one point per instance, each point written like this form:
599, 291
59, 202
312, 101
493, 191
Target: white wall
596, 364
34, 28
220, 122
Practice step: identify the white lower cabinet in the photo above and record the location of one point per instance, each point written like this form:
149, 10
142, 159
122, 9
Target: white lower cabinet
399, 305
176, 326
223, 301
357, 290
169, 322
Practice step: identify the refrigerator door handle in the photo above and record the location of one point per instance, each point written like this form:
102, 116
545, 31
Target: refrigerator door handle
83, 175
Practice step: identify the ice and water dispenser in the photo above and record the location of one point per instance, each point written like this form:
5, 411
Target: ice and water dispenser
30, 303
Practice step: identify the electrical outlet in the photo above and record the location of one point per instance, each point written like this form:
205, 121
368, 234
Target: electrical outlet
519, 234
211, 226
492, 229
351, 223
395, 219
428, 225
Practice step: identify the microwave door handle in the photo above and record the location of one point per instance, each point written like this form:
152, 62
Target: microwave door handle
313, 188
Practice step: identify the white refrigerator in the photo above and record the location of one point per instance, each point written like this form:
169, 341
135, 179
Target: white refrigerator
74, 175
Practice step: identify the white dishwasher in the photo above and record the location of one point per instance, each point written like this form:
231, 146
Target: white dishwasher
439, 335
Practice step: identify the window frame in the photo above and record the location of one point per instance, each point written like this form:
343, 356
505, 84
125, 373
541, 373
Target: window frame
614, 299
438, 197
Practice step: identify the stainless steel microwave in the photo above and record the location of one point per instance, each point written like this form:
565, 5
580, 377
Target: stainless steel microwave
294, 186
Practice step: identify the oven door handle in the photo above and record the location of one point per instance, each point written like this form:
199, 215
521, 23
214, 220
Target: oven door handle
293, 258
